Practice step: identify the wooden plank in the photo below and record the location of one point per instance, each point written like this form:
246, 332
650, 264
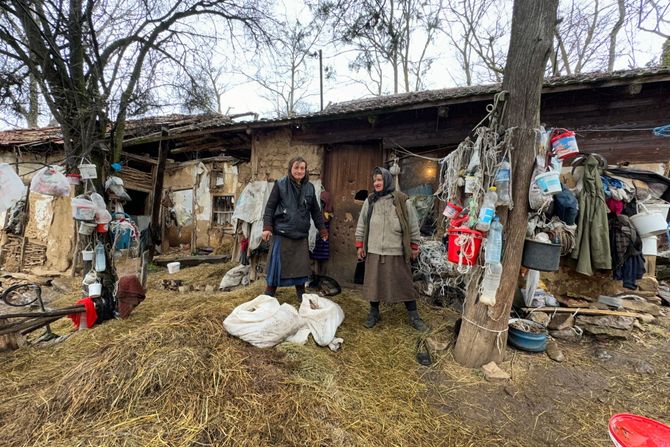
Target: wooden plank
187, 261
582, 311
155, 226
141, 158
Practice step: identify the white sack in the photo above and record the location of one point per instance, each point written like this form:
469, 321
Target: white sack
262, 322
235, 276
322, 316
250, 205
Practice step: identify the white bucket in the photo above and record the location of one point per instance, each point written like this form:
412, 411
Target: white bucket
86, 228
549, 182
650, 246
649, 224
659, 207
94, 289
88, 171
87, 255
173, 267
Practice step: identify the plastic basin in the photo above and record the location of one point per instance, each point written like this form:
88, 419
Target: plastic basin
630, 430
527, 341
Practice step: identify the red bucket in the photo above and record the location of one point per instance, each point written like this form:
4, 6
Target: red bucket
564, 145
630, 430
464, 246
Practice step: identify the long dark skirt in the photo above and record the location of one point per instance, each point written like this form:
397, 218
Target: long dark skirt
288, 262
388, 279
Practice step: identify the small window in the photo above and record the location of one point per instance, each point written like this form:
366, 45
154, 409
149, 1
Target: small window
222, 210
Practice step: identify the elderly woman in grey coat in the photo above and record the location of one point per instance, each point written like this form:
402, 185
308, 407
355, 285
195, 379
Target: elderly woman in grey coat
387, 237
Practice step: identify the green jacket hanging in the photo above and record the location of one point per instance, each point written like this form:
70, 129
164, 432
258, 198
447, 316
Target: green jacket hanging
592, 242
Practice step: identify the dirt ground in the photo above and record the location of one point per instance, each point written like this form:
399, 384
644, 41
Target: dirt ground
371, 392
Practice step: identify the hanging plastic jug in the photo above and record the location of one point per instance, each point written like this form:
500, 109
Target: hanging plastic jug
487, 210
502, 183
490, 283
494, 242
100, 261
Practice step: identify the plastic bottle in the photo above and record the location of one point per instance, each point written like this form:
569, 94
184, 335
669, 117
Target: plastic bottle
490, 283
100, 261
502, 183
488, 210
494, 242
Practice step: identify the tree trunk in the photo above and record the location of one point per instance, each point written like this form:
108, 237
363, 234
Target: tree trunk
480, 340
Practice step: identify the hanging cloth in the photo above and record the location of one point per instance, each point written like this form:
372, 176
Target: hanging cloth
592, 244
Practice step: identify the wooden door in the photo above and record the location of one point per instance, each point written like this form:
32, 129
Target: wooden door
347, 171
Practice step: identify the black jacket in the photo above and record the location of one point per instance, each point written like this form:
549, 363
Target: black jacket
289, 208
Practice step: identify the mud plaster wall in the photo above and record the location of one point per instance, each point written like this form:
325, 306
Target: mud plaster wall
50, 220
185, 176
272, 151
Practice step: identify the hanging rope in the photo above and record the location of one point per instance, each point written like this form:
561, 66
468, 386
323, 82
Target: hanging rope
662, 131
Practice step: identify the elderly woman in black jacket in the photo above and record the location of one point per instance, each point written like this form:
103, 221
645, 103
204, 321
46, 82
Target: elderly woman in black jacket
292, 202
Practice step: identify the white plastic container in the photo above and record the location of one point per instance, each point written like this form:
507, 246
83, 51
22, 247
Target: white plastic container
94, 289
661, 208
549, 182
88, 171
173, 267
649, 224
650, 245
86, 228
87, 255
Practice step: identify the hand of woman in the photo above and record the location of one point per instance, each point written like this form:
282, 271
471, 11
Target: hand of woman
414, 255
266, 235
324, 234
360, 253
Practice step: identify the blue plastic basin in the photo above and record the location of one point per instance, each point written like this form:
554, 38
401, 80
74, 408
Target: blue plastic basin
527, 341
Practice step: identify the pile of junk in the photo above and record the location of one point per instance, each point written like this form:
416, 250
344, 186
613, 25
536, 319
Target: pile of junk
585, 216
109, 256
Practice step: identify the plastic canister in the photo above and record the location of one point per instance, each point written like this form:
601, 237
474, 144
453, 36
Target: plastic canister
173, 267
549, 182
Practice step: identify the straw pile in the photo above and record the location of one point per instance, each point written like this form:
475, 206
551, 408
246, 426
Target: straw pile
171, 376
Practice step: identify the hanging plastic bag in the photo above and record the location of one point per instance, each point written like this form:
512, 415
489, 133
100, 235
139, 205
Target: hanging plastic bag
51, 182
11, 187
114, 185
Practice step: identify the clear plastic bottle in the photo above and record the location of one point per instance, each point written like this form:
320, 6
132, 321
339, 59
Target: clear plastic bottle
100, 260
488, 210
494, 242
502, 183
490, 283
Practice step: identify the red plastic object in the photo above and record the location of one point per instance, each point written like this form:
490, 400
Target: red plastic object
630, 430
468, 251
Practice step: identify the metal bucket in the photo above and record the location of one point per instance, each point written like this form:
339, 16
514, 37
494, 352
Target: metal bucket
541, 256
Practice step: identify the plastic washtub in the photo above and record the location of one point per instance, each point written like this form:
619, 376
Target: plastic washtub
630, 430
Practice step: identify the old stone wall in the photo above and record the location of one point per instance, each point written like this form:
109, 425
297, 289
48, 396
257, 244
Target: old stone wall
272, 151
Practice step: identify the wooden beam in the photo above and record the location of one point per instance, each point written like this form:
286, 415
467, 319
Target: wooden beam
581, 310
142, 158
163, 151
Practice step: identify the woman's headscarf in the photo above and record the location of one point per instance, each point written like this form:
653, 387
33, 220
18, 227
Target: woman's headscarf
388, 182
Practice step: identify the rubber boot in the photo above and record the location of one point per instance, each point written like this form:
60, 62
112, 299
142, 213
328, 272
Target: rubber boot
299, 291
416, 321
373, 318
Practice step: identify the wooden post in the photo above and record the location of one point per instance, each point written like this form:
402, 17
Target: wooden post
156, 224
483, 335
